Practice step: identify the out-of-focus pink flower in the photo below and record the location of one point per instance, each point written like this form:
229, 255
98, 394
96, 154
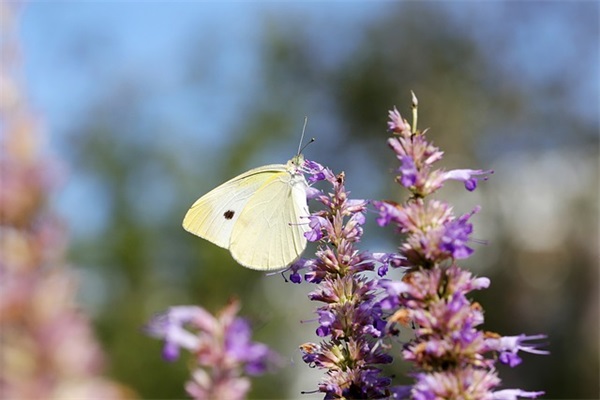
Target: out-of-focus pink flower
47, 347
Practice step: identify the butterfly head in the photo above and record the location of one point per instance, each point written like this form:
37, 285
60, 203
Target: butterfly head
295, 163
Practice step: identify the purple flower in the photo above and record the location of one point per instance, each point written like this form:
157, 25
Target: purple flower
239, 347
469, 383
454, 239
313, 193
326, 319
514, 394
509, 346
386, 260
221, 347
396, 123
295, 277
393, 291
202, 386
409, 172
257, 359
296, 267
468, 176
170, 326
434, 235
310, 353
461, 281
343, 380
316, 171
317, 226
388, 212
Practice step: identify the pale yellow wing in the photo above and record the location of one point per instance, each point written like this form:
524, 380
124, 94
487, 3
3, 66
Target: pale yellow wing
269, 233
214, 215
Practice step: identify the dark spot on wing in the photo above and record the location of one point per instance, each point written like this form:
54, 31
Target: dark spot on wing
229, 214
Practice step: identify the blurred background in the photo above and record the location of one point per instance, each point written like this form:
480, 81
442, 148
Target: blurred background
147, 106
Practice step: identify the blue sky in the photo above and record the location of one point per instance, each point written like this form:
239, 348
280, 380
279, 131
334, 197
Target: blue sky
149, 38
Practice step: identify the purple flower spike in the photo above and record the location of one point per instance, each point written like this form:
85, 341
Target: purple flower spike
221, 346
453, 359
350, 320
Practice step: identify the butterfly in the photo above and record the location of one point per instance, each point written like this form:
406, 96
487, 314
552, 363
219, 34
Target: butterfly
257, 215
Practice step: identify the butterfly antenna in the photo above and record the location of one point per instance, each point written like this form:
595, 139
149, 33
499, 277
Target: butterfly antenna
300, 147
302, 136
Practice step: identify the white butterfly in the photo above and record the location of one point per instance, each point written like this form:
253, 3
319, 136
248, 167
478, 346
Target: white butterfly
256, 215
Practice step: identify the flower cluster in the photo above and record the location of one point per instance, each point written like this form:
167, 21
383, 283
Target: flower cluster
350, 320
452, 357
222, 348
48, 349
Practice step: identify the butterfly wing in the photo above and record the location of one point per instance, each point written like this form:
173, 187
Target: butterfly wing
214, 215
269, 233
